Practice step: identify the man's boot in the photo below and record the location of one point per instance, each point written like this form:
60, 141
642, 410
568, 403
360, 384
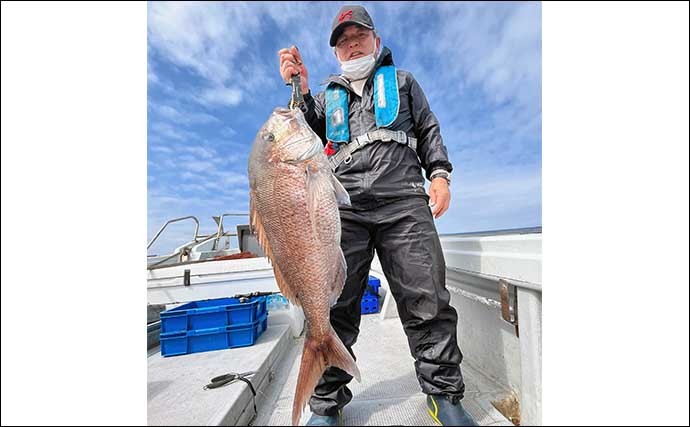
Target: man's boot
325, 420
447, 413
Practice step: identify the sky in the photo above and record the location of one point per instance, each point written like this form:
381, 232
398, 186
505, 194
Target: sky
213, 80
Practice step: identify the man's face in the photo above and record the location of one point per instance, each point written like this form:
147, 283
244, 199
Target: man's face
355, 42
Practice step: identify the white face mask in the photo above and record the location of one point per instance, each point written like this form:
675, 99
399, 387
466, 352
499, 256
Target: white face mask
359, 68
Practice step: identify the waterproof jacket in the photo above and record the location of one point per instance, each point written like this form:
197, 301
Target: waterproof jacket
382, 171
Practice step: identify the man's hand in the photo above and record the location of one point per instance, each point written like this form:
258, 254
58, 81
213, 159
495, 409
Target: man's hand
291, 64
439, 193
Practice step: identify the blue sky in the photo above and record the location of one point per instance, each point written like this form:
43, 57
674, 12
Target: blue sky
213, 80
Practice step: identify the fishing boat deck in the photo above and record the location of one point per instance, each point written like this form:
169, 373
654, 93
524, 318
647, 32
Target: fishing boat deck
389, 393
176, 394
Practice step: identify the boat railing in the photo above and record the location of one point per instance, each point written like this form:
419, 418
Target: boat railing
196, 229
180, 252
198, 240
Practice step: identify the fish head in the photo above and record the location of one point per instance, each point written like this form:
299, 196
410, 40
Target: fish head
287, 137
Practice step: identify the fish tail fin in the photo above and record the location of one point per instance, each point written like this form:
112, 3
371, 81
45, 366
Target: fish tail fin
316, 357
338, 356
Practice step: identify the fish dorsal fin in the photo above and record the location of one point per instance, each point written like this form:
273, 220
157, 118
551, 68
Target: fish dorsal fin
258, 228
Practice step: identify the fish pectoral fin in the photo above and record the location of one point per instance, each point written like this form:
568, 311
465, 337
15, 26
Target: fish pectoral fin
339, 277
316, 188
258, 228
340, 193
319, 185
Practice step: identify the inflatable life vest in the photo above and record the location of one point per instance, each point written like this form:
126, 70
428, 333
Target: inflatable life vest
386, 106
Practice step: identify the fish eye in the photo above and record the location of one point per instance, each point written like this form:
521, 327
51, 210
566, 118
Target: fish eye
269, 137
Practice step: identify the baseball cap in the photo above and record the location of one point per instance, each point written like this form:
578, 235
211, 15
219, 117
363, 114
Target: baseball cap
349, 15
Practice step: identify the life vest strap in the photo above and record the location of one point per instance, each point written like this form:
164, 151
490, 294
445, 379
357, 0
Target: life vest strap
344, 154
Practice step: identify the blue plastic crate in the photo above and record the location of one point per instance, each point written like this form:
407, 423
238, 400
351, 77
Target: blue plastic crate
197, 341
214, 313
374, 284
370, 304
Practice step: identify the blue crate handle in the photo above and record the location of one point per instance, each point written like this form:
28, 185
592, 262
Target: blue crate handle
193, 333
214, 309
239, 306
192, 311
178, 334
204, 310
208, 331
169, 314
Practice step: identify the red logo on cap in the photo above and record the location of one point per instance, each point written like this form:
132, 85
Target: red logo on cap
345, 15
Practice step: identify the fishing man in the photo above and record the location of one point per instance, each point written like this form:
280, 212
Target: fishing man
379, 132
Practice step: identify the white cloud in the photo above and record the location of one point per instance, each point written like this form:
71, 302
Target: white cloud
161, 149
197, 166
200, 35
151, 75
228, 132
234, 178
213, 95
170, 164
497, 47
188, 176
182, 117
200, 151
170, 131
193, 187
213, 185
206, 38
230, 178
220, 96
